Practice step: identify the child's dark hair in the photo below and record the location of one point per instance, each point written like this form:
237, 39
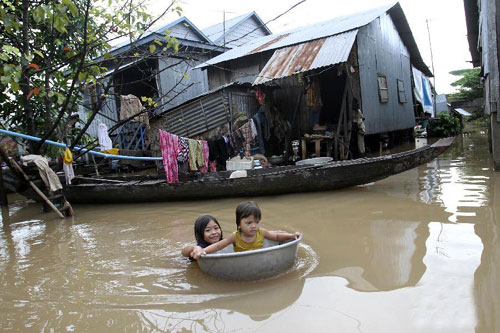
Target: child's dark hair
199, 228
246, 209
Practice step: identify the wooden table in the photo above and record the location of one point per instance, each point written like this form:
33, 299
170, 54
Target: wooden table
317, 145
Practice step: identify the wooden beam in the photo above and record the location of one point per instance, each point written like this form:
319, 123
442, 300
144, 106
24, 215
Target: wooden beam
35, 188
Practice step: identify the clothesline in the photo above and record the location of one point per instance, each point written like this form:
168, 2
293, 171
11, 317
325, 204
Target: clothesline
84, 150
181, 154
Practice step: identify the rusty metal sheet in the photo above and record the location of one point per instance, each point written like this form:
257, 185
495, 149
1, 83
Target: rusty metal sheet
306, 56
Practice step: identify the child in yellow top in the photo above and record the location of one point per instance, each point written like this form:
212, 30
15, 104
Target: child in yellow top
248, 236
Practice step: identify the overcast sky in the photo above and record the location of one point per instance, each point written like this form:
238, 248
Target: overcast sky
448, 33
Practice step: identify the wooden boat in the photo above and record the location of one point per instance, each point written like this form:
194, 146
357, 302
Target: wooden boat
268, 181
272, 259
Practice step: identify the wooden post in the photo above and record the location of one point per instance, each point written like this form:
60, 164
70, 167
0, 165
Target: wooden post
341, 121
304, 148
3, 194
95, 166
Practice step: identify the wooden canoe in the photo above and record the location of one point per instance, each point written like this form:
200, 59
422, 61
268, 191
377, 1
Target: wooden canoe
268, 181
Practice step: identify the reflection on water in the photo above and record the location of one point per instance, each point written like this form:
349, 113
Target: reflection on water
418, 251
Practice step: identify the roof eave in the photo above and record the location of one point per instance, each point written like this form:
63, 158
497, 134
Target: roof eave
250, 15
399, 19
472, 22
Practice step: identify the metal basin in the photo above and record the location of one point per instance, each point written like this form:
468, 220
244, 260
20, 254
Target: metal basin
272, 259
314, 161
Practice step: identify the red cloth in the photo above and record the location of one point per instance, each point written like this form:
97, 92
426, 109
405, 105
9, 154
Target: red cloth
169, 145
260, 96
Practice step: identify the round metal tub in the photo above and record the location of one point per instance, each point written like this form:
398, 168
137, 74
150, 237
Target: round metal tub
272, 259
314, 161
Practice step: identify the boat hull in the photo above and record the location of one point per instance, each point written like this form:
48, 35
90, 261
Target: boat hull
271, 181
272, 259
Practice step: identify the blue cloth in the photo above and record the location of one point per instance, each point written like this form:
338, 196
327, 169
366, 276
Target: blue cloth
314, 114
427, 99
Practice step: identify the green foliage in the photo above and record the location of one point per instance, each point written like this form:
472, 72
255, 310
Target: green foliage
469, 85
477, 114
444, 125
47, 58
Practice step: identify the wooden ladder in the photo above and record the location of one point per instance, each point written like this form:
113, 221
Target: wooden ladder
64, 209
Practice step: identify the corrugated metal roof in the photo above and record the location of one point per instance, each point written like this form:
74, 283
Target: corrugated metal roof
463, 112
215, 32
159, 34
325, 29
306, 56
301, 35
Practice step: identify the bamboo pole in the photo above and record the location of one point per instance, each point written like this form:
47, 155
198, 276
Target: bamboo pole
37, 190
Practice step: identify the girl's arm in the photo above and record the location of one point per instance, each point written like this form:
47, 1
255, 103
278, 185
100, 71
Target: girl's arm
186, 250
213, 248
279, 236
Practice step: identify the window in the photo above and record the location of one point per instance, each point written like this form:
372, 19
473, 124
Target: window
383, 93
401, 91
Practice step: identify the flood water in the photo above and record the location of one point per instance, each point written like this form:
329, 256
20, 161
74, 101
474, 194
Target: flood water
416, 252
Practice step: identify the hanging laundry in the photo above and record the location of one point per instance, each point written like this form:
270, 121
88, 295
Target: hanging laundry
260, 135
206, 152
169, 145
48, 175
254, 129
229, 149
260, 96
246, 131
237, 141
69, 173
218, 151
195, 155
130, 106
183, 154
103, 137
112, 151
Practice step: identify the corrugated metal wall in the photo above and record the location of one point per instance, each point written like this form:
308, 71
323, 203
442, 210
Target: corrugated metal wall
243, 103
489, 55
108, 114
242, 70
177, 88
381, 51
245, 32
184, 32
197, 117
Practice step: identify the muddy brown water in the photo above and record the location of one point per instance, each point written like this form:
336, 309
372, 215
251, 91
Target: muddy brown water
416, 252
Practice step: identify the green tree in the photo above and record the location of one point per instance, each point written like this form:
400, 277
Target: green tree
469, 85
47, 57
444, 125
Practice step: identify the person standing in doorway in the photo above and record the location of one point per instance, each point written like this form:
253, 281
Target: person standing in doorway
359, 126
314, 102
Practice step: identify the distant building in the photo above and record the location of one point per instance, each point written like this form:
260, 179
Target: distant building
483, 33
442, 104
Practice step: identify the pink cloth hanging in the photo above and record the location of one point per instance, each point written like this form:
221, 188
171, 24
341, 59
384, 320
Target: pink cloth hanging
206, 152
169, 145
